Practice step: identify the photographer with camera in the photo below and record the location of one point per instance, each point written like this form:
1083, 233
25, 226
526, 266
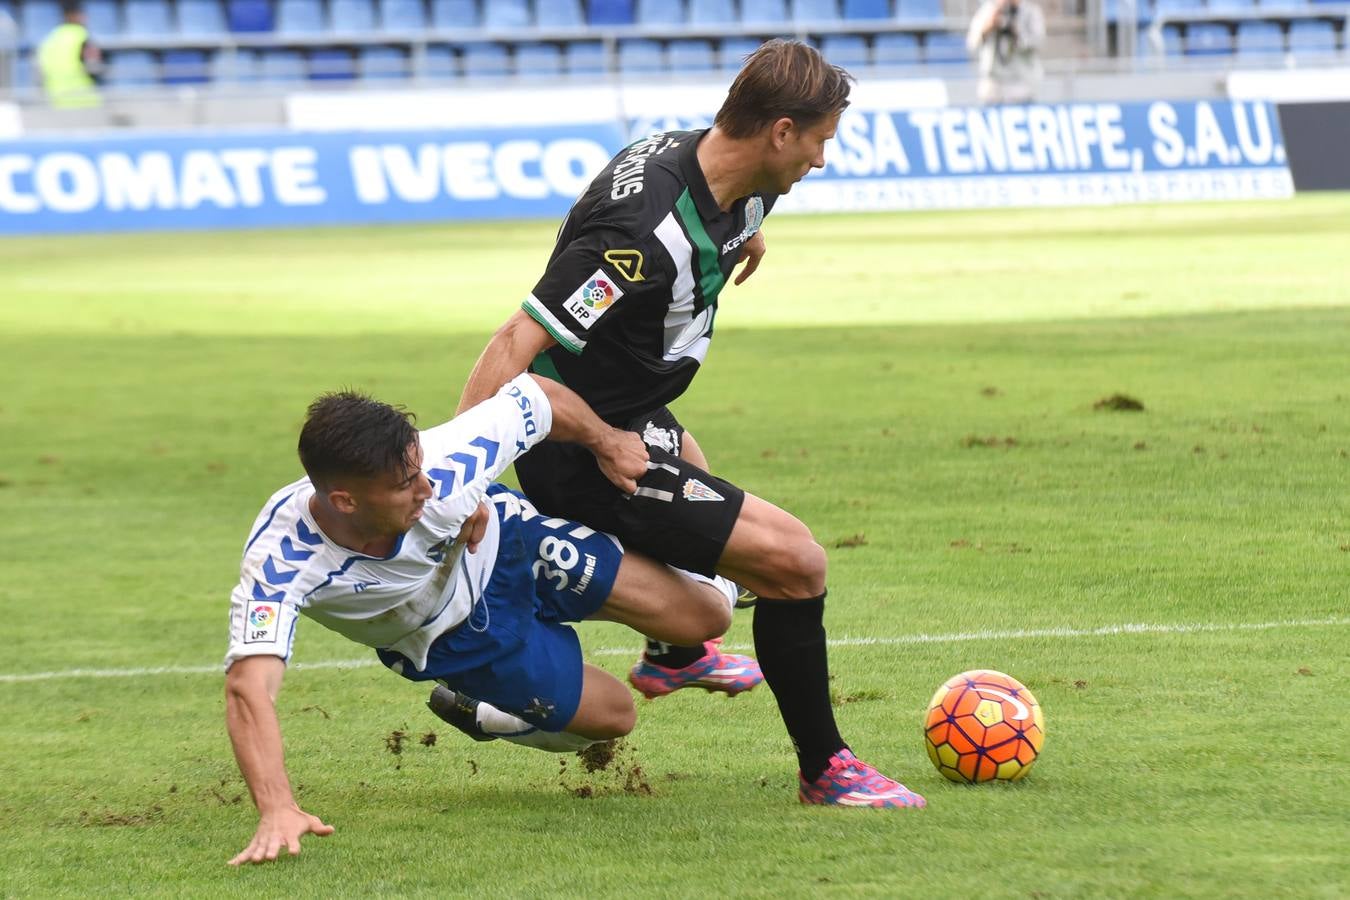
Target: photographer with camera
1006, 36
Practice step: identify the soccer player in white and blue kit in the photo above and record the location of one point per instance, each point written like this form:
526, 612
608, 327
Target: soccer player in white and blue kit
400, 541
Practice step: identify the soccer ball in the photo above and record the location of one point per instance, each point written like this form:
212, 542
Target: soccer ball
984, 726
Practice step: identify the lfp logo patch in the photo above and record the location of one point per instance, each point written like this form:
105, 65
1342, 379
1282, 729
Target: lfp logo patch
261, 624
589, 302
262, 615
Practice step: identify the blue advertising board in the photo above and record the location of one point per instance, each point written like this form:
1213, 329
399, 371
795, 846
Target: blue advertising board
946, 157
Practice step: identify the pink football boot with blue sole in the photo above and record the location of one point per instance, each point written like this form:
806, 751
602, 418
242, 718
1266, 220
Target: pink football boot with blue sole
851, 782
728, 673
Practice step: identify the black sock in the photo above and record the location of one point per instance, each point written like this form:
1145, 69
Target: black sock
673, 656
790, 646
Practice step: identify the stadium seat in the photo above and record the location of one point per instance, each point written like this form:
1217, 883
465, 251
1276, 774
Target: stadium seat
235, 66
866, 9
24, 74
847, 50
538, 60
146, 18
486, 60
895, 49
945, 48
36, 19
691, 56
638, 56
609, 12
815, 11
712, 12
351, 16
131, 68
248, 16
584, 58
186, 67
759, 12
454, 15
558, 14
402, 15
281, 65
102, 18
199, 17
439, 61
502, 14
1208, 39
660, 12
298, 17
331, 64
1225, 6
919, 10
1259, 38
734, 51
381, 62
1313, 36
1171, 41
1283, 5
1163, 7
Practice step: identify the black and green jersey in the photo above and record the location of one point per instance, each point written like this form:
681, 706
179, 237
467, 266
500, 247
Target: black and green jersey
631, 289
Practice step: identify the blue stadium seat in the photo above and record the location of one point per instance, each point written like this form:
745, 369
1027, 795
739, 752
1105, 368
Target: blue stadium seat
249, 16
24, 76
660, 12
331, 64
558, 14
847, 50
146, 18
691, 56
734, 51
538, 59
298, 17
1171, 41
102, 18
712, 12
131, 68
919, 10
896, 49
866, 9
186, 67
1162, 7
440, 61
506, 14
36, 19
281, 65
815, 10
1313, 36
1208, 39
584, 58
1283, 5
402, 15
232, 67
609, 12
454, 14
485, 60
381, 63
1259, 38
762, 11
638, 56
198, 17
945, 48
351, 16
1229, 5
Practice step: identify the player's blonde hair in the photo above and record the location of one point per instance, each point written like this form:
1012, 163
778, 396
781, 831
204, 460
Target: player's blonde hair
783, 79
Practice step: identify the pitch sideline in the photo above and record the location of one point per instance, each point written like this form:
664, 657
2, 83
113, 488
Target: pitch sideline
841, 642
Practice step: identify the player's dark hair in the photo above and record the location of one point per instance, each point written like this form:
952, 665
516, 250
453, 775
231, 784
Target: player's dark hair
350, 434
72, 7
783, 79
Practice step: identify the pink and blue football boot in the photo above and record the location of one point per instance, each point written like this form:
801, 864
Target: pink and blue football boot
851, 782
729, 673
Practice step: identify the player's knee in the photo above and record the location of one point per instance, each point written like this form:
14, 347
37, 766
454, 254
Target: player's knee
619, 720
797, 568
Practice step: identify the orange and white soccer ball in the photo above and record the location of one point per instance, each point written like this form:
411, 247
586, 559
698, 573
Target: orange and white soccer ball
984, 726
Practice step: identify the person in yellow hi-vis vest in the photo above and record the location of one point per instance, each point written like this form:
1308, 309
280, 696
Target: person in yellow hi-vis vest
70, 63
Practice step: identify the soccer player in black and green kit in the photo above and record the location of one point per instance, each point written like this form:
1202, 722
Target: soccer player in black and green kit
623, 315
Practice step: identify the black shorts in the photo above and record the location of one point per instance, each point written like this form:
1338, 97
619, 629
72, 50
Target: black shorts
680, 515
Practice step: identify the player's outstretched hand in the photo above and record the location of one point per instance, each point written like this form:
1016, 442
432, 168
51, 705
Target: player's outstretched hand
623, 458
474, 527
282, 828
752, 251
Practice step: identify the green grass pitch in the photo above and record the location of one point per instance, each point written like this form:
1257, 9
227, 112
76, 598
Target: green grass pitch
920, 389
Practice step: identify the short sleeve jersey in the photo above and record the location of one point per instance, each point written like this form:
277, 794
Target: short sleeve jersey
631, 289
426, 585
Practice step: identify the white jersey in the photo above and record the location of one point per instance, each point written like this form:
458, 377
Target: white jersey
426, 586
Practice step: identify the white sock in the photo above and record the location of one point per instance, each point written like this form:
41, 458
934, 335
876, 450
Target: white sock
725, 586
516, 730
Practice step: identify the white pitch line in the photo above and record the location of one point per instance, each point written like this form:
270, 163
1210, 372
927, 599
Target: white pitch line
959, 637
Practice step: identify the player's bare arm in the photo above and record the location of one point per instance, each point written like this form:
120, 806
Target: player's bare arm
508, 354
251, 688
622, 455
752, 251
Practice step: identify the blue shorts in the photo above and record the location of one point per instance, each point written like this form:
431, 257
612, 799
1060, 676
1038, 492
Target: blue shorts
514, 651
